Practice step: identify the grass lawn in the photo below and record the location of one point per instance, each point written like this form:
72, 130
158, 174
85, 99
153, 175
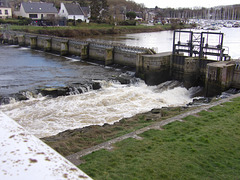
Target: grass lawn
206, 146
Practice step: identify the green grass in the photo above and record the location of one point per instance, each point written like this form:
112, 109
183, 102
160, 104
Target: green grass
72, 141
81, 26
85, 30
87, 26
202, 147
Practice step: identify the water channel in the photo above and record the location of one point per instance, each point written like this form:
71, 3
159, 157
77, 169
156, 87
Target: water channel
23, 69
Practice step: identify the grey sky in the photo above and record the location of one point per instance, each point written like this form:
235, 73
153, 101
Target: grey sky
186, 3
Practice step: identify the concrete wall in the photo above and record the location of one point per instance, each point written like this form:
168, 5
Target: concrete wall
177, 67
97, 51
190, 70
125, 56
44, 43
236, 75
75, 47
108, 53
27, 39
154, 69
219, 77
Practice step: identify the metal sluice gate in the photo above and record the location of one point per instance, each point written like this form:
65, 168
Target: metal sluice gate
200, 44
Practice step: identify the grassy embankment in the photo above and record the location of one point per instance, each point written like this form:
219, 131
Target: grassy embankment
72, 141
206, 146
91, 29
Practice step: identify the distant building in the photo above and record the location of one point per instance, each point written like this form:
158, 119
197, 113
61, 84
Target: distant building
5, 10
74, 11
37, 10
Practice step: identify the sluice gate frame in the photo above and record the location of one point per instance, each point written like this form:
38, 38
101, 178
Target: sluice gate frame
199, 44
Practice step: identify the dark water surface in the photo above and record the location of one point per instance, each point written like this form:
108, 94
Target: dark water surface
25, 69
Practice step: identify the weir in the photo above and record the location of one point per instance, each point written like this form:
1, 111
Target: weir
187, 62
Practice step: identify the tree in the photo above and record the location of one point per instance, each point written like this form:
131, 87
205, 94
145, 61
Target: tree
83, 3
99, 9
131, 15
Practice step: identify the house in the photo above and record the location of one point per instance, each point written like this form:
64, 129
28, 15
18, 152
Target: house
37, 10
74, 11
5, 10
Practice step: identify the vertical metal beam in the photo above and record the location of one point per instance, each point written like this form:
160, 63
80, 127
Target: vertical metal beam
221, 54
201, 46
174, 47
191, 44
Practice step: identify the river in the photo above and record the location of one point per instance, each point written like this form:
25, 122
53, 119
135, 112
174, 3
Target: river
26, 69
162, 41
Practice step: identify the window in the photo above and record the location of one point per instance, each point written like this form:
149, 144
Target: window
33, 16
6, 12
0, 11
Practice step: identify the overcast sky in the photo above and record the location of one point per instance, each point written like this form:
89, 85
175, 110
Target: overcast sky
186, 3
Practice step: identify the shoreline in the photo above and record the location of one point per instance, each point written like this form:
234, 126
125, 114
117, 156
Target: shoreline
154, 119
89, 31
72, 141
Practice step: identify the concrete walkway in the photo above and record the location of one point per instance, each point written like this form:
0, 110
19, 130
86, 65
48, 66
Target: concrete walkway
75, 158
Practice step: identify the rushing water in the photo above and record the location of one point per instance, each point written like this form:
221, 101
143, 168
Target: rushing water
25, 69
45, 117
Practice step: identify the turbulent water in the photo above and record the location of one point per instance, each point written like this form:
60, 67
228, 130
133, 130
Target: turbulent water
23, 69
45, 117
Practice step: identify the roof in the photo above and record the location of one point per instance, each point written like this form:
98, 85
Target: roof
76, 9
86, 10
39, 7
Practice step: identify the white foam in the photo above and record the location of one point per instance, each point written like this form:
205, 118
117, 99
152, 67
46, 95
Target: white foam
46, 117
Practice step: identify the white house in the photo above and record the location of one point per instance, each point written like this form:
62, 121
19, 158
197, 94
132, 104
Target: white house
74, 11
5, 10
37, 10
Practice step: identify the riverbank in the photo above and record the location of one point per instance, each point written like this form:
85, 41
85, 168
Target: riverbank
204, 145
73, 141
92, 29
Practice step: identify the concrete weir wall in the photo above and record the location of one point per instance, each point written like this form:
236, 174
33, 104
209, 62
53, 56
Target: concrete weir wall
108, 53
214, 76
154, 69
